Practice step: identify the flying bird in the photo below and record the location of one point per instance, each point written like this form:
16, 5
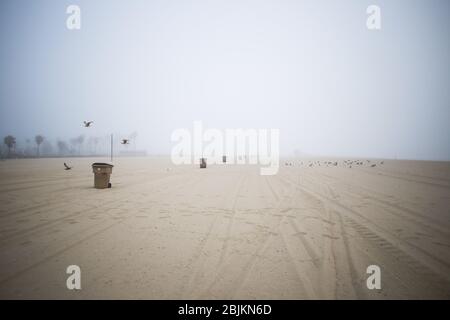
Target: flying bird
66, 167
125, 141
87, 124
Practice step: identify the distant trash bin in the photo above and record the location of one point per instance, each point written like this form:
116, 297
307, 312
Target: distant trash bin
202, 163
224, 159
102, 172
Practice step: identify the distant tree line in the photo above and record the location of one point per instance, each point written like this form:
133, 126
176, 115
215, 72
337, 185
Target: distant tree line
43, 147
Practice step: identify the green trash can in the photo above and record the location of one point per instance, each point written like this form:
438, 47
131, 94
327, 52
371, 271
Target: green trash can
102, 173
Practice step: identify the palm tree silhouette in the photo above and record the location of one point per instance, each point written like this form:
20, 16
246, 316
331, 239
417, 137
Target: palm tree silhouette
39, 139
10, 142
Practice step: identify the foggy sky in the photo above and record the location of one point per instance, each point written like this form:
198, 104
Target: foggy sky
308, 68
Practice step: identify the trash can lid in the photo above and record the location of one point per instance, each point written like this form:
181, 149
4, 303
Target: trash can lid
102, 165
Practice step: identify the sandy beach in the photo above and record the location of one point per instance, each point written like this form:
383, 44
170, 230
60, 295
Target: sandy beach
225, 232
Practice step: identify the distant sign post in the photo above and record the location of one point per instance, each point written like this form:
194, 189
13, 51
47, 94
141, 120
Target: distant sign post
111, 148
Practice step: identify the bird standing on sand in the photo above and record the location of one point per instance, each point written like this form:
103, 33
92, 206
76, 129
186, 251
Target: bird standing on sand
87, 124
66, 167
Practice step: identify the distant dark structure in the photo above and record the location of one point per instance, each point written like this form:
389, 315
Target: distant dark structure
224, 159
202, 163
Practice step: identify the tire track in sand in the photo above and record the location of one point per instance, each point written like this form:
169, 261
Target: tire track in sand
197, 261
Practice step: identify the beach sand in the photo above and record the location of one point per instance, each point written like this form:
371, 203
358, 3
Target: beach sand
224, 232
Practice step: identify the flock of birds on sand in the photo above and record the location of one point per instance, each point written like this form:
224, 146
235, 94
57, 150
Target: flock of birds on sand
87, 124
345, 163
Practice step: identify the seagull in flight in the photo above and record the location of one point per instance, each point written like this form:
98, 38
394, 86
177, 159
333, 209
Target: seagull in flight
66, 167
125, 141
87, 124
